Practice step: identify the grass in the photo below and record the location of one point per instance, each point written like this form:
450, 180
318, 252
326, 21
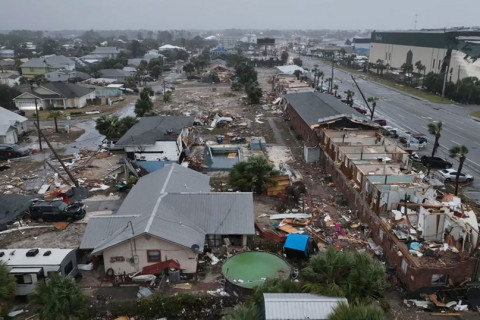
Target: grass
475, 114
412, 91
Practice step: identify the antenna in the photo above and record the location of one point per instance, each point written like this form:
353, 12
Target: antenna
415, 24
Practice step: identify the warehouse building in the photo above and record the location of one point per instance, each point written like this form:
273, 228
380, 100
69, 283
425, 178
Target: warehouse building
438, 50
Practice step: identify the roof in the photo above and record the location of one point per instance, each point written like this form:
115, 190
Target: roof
101, 227
105, 50
292, 306
9, 117
114, 73
296, 241
68, 90
314, 106
170, 47
174, 203
158, 128
53, 61
17, 257
290, 69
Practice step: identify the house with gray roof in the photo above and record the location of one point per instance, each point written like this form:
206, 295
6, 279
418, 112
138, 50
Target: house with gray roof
169, 214
158, 138
305, 110
66, 75
106, 52
44, 64
12, 125
117, 74
54, 95
299, 306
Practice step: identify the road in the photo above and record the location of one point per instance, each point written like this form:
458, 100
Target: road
413, 114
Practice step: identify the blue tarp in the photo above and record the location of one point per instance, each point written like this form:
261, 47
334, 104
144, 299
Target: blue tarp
297, 242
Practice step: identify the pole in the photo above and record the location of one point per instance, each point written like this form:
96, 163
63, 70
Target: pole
331, 82
445, 82
38, 126
364, 99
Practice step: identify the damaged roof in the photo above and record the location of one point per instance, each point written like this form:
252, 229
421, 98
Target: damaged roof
151, 129
100, 228
314, 106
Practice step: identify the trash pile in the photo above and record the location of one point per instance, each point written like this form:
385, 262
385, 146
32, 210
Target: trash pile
450, 301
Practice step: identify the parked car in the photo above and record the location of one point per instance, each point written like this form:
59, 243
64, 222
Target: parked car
381, 122
420, 137
436, 162
448, 175
57, 210
110, 145
9, 151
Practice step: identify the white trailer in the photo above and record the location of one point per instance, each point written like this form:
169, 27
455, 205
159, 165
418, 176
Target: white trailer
31, 266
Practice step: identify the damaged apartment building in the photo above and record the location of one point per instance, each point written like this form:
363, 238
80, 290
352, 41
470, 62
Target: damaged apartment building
429, 238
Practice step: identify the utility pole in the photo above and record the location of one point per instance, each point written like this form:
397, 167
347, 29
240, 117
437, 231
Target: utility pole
331, 82
38, 124
445, 81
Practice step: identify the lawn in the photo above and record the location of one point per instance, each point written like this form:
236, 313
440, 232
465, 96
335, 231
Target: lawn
476, 114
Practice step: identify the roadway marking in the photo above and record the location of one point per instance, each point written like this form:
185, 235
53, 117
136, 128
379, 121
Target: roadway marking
455, 142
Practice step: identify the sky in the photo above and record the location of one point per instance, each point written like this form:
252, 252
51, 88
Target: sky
242, 14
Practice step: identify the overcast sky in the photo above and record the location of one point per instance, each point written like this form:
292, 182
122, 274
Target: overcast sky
245, 14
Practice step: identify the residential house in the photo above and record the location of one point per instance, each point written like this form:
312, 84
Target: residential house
12, 125
117, 74
299, 306
66, 75
54, 95
7, 53
290, 69
106, 52
428, 237
159, 138
304, 110
11, 79
40, 66
7, 65
169, 215
288, 83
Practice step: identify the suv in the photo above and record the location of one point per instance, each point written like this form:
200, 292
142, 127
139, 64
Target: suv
436, 162
57, 210
9, 151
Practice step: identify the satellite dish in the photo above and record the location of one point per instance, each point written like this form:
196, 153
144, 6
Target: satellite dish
195, 248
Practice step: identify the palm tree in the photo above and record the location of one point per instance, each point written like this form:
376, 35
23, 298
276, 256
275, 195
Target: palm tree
7, 289
459, 151
358, 312
108, 125
320, 75
55, 114
350, 95
335, 87
435, 128
245, 311
380, 66
60, 298
373, 101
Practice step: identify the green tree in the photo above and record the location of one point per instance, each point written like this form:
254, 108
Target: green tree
435, 128
350, 95
284, 57
357, 312
373, 101
319, 75
49, 46
7, 289
155, 67
380, 66
298, 62
254, 92
55, 114
113, 127
6, 96
167, 96
335, 88
252, 174
273, 285
297, 74
244, 311
59, 298
189, 68
459, 151
246, 73
350, 274
144, 104
142, 71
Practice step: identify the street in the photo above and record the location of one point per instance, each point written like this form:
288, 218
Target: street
413, 114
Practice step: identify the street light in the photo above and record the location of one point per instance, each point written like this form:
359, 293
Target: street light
38, 121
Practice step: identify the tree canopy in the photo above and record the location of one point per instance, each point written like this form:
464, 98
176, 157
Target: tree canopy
357, 312
144, 104
7, 289
112, 127
252, 174
6, 95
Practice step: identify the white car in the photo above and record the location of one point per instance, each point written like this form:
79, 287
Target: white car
448, 175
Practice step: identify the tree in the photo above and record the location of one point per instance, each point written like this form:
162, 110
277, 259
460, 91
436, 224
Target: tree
319, 75
55, 114
144, 104
252, 174
435, 128
60, 298
189, 68
350, 274
420, 67
373, 101
335, 87
7, 289
298, 62
357, 312
459, 151
6, 96
113, 127
245, 311
297, 74
284, 57
245, 73
380, 66
254, 92
155, 67
350, 95
142, 71
167, 96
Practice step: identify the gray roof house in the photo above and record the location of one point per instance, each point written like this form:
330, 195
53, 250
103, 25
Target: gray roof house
169, 214
106, 52
54, 95
42, 65
299, 306
118, 74
12, 125
66, 75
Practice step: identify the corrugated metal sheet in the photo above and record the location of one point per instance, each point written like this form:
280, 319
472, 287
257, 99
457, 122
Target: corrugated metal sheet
293, 306
100, 228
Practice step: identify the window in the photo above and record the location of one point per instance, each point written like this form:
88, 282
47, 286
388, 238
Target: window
68, 268
439, 279
154, 256
24, 278
404, 266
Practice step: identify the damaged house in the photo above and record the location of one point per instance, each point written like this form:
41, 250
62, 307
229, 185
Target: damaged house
155, 141
169, 217
427, 237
